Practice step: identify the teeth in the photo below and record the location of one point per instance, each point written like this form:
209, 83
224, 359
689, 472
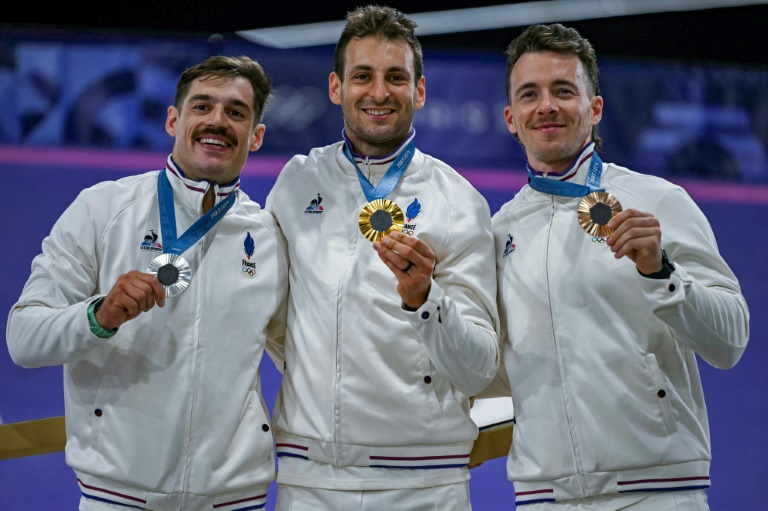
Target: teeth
378, 112
212, 141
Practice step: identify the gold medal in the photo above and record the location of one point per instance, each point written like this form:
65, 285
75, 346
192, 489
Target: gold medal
595, 210
380, 217
173, 272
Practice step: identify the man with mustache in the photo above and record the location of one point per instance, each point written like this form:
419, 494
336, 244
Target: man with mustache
610, 285
391, 313
161, 336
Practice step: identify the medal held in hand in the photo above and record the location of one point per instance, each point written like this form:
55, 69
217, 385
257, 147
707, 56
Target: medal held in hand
380, 217
172, 271
595, 210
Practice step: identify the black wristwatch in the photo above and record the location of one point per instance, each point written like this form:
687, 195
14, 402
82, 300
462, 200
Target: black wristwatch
666, 268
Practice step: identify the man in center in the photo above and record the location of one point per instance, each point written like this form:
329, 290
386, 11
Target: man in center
392, 304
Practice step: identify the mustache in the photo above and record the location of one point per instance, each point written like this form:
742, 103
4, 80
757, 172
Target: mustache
220, 132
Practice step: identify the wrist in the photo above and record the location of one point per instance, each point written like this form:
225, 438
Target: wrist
666, 268
96, 328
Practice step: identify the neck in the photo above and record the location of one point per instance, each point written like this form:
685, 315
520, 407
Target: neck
209, 199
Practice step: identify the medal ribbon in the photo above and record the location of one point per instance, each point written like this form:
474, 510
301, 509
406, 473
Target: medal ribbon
168, 218
567, 189
391, 177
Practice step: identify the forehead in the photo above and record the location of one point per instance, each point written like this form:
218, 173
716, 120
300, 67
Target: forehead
545, 68
377, 53
222, 89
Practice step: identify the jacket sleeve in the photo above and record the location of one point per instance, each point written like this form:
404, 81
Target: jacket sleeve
48, 325
702, 301
276, 328
457, 323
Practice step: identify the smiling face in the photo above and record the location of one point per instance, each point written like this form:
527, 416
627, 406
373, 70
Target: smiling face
551, 109
378, 94
214, 129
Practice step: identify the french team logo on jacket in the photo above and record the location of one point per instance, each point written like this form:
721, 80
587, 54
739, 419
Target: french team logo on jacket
509, 246
248, 267
314, 207
150, 242
411, 212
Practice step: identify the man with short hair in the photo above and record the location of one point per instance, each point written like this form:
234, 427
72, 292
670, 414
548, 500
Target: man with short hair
392, 308
610, 283
156, 292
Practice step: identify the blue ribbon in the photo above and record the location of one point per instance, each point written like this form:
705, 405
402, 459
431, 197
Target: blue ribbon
197, 230
391, 177
567, 189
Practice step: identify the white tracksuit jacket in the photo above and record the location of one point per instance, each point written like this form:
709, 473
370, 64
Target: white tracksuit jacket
601, 360
167, 414
367, 384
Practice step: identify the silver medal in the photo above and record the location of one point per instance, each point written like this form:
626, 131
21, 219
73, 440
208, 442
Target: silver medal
173, 272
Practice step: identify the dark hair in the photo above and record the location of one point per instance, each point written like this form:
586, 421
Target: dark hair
220, 66
559, 39
382, 22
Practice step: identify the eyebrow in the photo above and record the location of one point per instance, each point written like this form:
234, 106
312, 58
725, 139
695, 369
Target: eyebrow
208, 97
368, 67
534, 85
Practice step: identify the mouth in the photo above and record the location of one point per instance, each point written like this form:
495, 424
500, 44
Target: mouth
211, 141
546, 127
378, 111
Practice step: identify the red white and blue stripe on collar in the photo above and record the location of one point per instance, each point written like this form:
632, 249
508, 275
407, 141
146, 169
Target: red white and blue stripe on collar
584, 156
224, 190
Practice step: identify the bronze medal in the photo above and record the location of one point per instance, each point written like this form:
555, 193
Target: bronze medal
595, 210
380, 217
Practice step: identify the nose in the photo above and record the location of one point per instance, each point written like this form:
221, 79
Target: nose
547, 103
216, 116
379, 90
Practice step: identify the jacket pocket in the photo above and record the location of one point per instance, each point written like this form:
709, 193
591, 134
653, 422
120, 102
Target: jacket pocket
663, 397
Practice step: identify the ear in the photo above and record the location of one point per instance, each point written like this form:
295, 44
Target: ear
334, 88
597, 110
510, 120
257, 138
421, 93
172, 121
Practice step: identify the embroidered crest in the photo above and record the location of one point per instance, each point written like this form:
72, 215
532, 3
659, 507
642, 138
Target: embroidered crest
248, 268
150, 242
314, 206
509, 247
413, 210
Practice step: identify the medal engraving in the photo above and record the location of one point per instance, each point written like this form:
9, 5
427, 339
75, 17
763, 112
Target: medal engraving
380, 217
168, 274
595, 210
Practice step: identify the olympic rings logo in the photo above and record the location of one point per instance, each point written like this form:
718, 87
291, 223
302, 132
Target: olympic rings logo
598, 241
248, 272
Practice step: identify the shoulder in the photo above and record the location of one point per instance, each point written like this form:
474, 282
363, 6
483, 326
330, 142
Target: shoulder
447, 180
111, 196
646, 188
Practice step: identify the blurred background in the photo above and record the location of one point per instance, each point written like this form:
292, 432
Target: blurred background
85, 86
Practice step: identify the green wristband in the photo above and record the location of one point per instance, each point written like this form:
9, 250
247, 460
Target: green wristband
96, 328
